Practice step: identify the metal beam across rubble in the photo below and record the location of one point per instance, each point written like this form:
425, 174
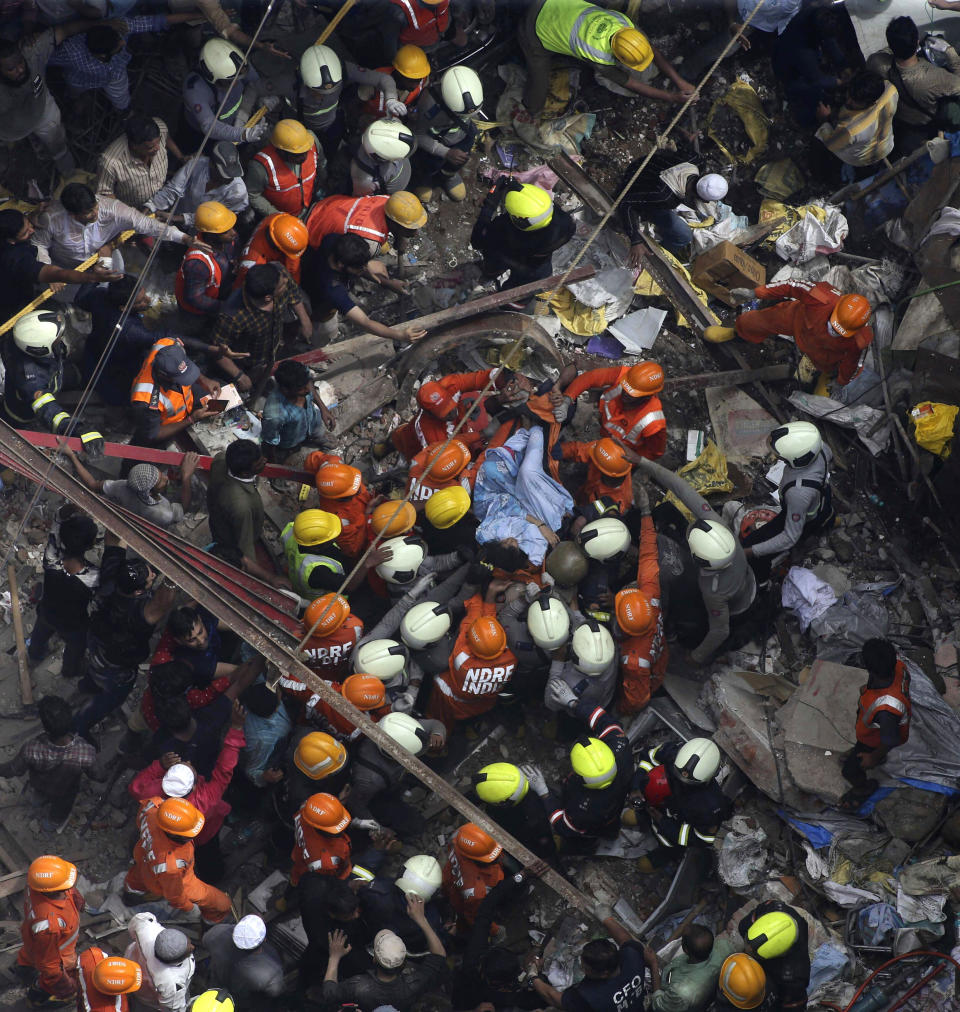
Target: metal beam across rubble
274, 643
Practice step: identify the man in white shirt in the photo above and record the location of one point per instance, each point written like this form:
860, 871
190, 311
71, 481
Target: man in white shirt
166, 957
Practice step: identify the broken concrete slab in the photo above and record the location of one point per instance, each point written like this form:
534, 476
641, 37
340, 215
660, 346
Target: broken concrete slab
685, 692
740, 423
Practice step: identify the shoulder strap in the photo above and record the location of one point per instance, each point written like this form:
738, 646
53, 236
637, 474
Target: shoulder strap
902, 88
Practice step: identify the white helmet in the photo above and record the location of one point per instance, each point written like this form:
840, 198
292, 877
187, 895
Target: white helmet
461, 90
37, 334
711, 544
592, 648
548, 623
424, 624
697, 762
421, 875
320, 67
388, 140
604, 538
220, 60
406, 731
386, 659
405, 555
798, 443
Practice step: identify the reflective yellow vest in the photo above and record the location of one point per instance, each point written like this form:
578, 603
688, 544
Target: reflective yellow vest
573, 28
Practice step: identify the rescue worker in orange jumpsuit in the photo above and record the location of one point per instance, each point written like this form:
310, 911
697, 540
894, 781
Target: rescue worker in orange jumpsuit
321, 847
279, 238
471, 871
341, 491
285, 175
410, 72
206, 266
608, 471
51, 923
328, 650
829, 327
883, 718
427, 22
481, 664
373, 219
366, 692
442, 405
630, 411
438, 466
163, 860
643, 646
105, 981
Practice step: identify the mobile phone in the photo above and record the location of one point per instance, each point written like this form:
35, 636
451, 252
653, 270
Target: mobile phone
216, 406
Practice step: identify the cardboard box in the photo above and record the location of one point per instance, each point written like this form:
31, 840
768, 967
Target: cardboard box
724, 267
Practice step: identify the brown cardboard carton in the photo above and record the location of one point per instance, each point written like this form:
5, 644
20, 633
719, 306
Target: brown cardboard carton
724, 267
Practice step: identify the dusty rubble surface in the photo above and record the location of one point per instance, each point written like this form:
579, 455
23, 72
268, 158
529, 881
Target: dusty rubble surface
877, 541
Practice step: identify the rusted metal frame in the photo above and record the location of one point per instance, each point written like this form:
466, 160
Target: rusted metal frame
248, 624
728, 378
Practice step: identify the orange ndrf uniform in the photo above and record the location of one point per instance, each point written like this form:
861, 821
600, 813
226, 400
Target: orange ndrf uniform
89, 998
804, 315
163, 867
598, 484
352, 510
466, 883
318, 852
261, 250
423, 485
49, 931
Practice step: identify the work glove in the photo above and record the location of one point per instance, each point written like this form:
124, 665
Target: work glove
560, 410
270, 101
404, 702
92, 445
741, 295
256, 132
558, 690
533, 774
370, 825
396, 108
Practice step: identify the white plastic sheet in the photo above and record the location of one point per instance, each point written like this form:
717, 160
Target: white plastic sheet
806, 595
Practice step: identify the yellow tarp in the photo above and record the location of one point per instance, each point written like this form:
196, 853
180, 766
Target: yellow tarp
645, 285
575, 316
707, 475
933, 426
745, 102
777, 180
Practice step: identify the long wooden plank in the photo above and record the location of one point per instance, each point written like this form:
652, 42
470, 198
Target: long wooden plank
728, 378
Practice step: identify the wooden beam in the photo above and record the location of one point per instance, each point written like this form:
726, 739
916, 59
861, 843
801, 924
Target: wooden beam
729, 378
854, 192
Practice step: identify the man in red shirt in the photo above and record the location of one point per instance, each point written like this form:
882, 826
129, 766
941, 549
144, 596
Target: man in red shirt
630, 412
830, 328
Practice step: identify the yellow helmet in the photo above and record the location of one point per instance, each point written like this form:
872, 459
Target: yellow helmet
316, 527
318, 755
404, 208
742, 981
291, 135
594, 762
212, 216
530, 207
500, 784
214, 1000
448, 505
772, 935
632, 49
412, 62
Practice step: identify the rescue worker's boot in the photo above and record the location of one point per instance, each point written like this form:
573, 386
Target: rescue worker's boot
719, 335
423, 193
453, 186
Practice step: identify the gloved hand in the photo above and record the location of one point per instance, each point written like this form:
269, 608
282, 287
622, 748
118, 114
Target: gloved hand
370, 825
533, 774
92, 445
562, 693
641, 497
560, 410
404, 702
741, 295
270, 101
256, 132
396, 108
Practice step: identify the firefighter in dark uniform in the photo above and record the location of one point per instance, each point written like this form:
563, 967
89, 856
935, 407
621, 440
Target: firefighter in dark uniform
504, 792
676, 788
775, 934
593, 795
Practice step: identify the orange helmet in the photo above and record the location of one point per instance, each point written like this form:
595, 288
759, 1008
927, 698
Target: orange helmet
338, 481
446, 462
635, 614
179, 817
338, 614
435, 398
325, 812
49, 874
116, 975
608, 457
643, 380
850, 314
393, 518
486, 637
319, 755
471, 841
366, 692
288, 234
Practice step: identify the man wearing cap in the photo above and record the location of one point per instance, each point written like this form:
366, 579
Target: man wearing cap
168, 394
242, 961
392, 981
578, 33
664, 187
166, 957
217, 177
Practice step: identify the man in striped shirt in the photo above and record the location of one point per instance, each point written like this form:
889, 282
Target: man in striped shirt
134, 166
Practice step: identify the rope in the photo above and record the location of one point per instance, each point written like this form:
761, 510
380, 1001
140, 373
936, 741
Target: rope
734, 40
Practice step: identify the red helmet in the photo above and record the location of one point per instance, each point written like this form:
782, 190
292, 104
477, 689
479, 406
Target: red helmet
658, 786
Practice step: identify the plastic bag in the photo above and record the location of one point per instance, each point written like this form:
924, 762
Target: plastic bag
745, 102
933, 426
743, 857
575, 316
706, 475
779, 179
